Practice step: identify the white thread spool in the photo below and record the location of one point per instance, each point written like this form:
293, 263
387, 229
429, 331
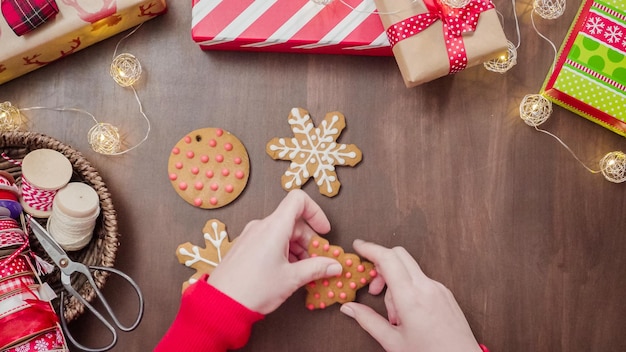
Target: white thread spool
44, 172
75, 210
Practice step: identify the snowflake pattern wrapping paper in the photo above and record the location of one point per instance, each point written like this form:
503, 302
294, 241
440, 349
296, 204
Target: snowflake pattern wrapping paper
589, 77
314, 151
204, 260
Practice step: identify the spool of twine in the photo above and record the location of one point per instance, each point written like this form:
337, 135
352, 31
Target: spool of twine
44, 172
75, 210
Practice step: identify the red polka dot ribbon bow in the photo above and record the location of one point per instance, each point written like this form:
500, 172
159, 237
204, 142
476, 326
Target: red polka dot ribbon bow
25, 15
456, 21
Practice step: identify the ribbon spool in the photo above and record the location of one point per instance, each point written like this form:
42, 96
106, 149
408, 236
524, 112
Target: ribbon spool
44, 172
74, 212
9, 195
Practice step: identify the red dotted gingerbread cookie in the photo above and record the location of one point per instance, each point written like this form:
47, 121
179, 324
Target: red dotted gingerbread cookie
341, 288
209, 168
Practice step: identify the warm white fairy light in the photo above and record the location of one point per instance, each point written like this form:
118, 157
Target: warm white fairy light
104, 138
125, 70
535, 109
549, 9
613, 167
504, 62
10, 118
456, 3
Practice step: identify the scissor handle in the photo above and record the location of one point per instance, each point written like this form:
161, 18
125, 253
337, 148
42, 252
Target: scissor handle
86, 271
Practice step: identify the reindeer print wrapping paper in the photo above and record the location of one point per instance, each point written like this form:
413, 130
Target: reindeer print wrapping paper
79, 24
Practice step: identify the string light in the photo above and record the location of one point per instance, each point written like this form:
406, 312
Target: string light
10, 118
504, 62
103, 138
535, 109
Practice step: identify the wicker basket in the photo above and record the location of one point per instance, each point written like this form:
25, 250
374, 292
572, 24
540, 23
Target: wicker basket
102, 248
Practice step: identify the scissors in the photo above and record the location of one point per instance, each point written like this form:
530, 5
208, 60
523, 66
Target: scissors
69, 267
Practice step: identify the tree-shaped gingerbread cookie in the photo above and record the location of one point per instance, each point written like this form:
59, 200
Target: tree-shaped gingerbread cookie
341, 288
204, 260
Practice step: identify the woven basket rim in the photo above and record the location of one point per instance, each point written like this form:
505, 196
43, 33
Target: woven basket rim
102, 249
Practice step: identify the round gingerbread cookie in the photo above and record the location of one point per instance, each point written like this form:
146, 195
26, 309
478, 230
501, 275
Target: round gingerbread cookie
209, 167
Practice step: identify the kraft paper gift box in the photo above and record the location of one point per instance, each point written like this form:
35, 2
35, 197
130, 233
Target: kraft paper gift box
77, 25
589, 77
421, 49
303, 26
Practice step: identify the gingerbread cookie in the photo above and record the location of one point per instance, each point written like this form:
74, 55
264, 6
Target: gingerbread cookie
209, 168
314, 152
342, 288
204, 260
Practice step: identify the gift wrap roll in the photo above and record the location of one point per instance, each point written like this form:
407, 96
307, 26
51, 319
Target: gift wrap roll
423, 57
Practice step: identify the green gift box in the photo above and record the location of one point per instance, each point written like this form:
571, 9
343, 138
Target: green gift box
589, 77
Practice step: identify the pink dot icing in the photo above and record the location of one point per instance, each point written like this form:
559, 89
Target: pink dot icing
360, 268
212, 142
348, 275
237, 160
339, 284
352, 285
182, 186
363, 281
325, 283
219, 132
317, 295
173, 176
312, 284
343, 295
195, 170
178, 165
225, 172
336, 253
373, 273
190, 154
348, 262
214, 186
219, 158
239, 175
228, 147
209, 174
197, 202
229, 188
213, 201
204, 158
322, 305
310, 306
326, 247
199, 185
331, 294
313, 255
315, 243
187, 139
176, 150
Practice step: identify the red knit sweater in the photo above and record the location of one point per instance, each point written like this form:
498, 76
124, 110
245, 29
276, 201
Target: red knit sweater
208, 321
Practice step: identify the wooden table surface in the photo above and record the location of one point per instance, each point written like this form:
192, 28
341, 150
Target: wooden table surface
531, 243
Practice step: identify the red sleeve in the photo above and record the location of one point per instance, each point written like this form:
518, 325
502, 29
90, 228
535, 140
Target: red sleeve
208, 321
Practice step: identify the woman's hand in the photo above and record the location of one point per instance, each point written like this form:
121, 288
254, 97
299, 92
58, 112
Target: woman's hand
269, 260
423, 315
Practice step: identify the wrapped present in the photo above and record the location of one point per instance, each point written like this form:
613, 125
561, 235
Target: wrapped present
27, 44
304, 26
431, 39
589, 77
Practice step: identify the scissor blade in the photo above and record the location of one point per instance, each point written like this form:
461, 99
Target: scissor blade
47, 242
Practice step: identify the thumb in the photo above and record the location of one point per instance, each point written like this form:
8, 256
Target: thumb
372, 322
310, 269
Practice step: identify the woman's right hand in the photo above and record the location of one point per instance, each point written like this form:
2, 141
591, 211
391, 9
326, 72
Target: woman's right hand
423, 315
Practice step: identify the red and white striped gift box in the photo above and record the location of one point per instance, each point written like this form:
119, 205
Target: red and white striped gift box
341, 27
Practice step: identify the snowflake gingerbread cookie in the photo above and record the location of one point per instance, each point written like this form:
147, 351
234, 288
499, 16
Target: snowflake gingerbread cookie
341, 288
314, 151
204, 260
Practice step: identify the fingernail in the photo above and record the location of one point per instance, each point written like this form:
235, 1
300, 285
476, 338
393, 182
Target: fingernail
347, 310
334, 269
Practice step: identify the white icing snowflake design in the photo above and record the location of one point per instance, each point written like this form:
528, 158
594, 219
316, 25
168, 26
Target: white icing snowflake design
314, 152
595, 25
613, 34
